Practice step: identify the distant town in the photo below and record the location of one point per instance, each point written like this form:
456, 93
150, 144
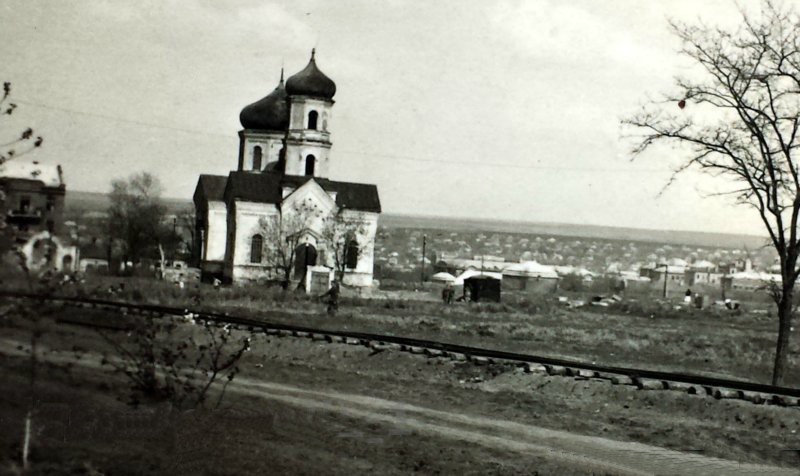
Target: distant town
399, 254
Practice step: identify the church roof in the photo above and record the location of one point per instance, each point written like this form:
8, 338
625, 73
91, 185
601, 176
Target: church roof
210, 188
268, 113
267, 187
311, 82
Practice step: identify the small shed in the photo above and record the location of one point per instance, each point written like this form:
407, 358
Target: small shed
531, 277
482, 288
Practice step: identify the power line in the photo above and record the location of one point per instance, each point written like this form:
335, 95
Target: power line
503, 164
121, 119
352, 152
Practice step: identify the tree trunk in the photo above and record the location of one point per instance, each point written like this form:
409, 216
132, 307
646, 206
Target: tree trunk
162, 263
784, 328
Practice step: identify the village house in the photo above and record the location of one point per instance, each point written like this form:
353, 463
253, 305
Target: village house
703, 272
531, 277
673, 272
282, 192
34, 210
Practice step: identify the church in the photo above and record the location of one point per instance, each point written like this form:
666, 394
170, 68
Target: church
279, 217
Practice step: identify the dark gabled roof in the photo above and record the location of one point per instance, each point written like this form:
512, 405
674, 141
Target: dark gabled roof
210, 187
356, 196
267, 187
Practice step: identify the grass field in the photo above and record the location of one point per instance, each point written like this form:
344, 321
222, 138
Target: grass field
649, 335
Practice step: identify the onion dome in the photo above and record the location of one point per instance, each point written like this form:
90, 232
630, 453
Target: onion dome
311, 82
268, 113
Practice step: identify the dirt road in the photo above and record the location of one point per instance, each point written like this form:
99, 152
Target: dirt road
592, 454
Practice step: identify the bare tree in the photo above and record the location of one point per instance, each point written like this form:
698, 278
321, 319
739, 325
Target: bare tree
24, 142
342, 233
283, 233
737, 119
186, 229
178, 361
11, 148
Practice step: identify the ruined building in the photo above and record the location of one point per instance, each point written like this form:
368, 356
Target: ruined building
33, 211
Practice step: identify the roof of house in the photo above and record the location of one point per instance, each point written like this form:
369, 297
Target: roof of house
756, 276
49, 175
531, 269
702, 265
466, 263
267, 187
471, 273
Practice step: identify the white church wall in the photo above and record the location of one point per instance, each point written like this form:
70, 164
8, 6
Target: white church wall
302, 141
270, 143
362, 275
247, 216
311, 200
300, 109
296, 159
216, 231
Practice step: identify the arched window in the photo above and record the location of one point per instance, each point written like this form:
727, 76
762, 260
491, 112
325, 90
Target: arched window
310, 159
257, 157
312, 120
256, 248
351, 255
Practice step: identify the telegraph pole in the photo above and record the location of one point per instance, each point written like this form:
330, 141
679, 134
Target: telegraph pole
422, 269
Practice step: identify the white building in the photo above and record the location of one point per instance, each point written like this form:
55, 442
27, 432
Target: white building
283, 176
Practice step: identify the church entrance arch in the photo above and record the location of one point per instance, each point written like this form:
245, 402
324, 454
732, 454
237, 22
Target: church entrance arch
305, 255
66, 264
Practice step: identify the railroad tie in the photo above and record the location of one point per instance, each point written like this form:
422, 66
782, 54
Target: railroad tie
650, 384
621, 380
557, 370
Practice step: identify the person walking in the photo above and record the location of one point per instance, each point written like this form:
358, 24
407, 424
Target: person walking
333, 297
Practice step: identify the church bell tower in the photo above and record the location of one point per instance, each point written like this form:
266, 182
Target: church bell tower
308, 140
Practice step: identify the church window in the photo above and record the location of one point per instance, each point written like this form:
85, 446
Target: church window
312, 120
256, 248
310, 159
351, 255
257, 158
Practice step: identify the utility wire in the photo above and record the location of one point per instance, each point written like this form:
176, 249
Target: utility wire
121, 119
351, 152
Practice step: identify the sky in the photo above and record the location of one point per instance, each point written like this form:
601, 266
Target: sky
466, 108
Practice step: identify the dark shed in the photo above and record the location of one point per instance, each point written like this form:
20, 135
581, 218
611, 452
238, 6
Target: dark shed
482, 288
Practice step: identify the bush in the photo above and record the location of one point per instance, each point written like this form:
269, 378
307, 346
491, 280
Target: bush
164, 359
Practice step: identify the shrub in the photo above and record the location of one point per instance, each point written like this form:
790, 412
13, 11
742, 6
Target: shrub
167, 360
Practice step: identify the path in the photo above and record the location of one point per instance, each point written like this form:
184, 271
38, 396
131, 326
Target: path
579, 451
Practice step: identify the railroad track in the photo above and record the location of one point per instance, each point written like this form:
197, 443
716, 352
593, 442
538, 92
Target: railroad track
645, 379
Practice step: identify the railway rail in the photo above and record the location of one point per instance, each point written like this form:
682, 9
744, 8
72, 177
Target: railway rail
646, 379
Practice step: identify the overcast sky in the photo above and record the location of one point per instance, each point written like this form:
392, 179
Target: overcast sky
483, 109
